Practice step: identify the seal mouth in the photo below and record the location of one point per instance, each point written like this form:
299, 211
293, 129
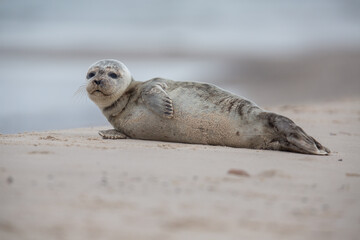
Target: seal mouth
97, 92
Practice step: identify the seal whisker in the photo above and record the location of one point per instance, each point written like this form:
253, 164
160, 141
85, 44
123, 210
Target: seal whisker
80, 93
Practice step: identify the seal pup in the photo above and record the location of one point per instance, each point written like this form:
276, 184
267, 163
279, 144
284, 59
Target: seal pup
189, 112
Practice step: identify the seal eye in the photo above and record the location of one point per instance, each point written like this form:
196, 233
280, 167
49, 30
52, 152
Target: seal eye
90, 75
112, 75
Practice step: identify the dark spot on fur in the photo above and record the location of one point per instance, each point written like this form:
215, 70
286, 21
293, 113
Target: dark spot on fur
201, 129
137, 100
237, 133
250, 109
222, 100
269, 117
241, 106
232, 103
206, 87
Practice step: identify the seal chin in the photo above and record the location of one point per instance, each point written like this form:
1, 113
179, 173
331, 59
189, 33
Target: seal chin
104, 99
97, 92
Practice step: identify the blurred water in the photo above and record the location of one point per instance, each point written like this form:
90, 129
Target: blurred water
200, 25
46, 47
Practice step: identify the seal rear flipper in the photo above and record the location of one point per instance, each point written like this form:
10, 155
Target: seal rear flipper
291, 137
303, 145
112, 134
158, 100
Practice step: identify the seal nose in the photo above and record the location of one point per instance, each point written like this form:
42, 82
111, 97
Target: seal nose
97, 82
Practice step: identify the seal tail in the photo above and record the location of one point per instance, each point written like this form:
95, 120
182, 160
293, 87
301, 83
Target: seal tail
291, 137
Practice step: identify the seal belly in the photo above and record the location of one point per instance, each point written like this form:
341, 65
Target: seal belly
195, 121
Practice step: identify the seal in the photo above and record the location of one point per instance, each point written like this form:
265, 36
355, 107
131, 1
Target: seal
188, 112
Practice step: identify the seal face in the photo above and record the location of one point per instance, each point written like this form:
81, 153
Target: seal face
107, 81
189, 112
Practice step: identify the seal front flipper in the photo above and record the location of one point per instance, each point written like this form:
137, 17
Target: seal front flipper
156, 98
112, 134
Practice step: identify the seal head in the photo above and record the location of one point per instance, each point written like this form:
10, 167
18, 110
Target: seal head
107, 80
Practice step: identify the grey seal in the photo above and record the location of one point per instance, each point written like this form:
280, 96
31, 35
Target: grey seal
188, 112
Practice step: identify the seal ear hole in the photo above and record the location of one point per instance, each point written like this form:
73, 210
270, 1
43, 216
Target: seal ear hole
90, 75
112, 75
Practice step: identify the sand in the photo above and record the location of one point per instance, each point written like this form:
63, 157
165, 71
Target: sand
71, 184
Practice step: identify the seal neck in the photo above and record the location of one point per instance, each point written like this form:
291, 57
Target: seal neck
119, 104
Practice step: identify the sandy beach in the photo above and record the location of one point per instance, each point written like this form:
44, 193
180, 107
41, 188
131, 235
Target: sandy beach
71, 184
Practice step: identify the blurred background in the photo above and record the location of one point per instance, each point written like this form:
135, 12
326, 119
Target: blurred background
272, 52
